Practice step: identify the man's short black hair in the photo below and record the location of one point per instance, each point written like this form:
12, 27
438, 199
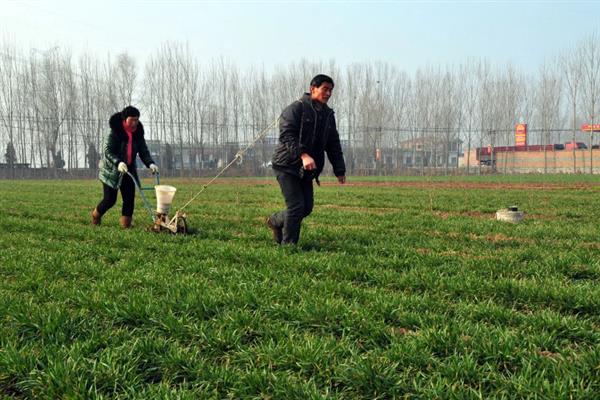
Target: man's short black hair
130, 111
320, 79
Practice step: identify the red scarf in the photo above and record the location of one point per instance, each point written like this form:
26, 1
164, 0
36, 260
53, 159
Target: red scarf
129, 143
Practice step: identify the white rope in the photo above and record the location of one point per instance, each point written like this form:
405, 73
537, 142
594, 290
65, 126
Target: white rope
238, 156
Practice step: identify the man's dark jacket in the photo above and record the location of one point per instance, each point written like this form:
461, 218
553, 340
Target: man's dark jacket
115, 151
300, 132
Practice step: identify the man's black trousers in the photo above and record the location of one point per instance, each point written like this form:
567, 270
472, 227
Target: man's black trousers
299, 200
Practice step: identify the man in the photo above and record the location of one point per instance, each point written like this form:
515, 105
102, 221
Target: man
306, 131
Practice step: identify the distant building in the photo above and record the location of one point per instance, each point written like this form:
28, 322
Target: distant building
430, 151
207, 156
14, 165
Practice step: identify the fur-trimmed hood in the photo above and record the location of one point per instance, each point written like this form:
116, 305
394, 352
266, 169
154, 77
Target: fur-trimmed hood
116, 124
115, 151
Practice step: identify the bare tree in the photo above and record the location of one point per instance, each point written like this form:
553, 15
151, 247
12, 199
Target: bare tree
125, 74
450, 116
257, 103
350, 113
56, 102
94, 106
399, 105
570, 64
484, 106
509, 86
468, 91
8, 92
170, 93
527, 94
547, 104
590, 49
52, 109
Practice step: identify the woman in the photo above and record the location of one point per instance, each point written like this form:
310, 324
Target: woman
125, 141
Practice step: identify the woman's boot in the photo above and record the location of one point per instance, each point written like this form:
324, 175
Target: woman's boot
125, 222
96, 217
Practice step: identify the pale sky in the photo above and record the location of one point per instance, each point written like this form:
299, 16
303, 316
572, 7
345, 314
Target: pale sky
409, 34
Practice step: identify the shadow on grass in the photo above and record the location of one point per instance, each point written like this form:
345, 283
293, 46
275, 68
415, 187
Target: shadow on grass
318, 246
200, 234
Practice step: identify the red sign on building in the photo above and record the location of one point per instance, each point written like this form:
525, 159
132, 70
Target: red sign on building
521, 135
590, 128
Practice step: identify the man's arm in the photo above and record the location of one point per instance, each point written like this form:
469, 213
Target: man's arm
335, 154
289, 129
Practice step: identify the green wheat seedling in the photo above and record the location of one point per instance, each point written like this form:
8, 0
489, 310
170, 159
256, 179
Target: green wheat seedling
399, 288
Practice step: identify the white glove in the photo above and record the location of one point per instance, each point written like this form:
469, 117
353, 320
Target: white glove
153, 168
122, 167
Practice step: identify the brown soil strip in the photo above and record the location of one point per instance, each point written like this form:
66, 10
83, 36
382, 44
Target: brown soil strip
423, 184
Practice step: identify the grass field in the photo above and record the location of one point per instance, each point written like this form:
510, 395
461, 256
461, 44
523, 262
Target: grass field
399, 288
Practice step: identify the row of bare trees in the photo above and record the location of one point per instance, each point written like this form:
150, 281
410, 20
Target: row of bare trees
54, 108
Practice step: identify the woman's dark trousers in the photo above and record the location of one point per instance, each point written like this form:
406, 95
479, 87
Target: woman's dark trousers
110, 197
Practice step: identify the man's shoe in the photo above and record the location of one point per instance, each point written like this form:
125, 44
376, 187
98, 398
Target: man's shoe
277, 232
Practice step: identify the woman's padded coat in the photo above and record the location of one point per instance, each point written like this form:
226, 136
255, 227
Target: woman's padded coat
115, 151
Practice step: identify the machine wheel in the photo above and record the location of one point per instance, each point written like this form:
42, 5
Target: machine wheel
182, 225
